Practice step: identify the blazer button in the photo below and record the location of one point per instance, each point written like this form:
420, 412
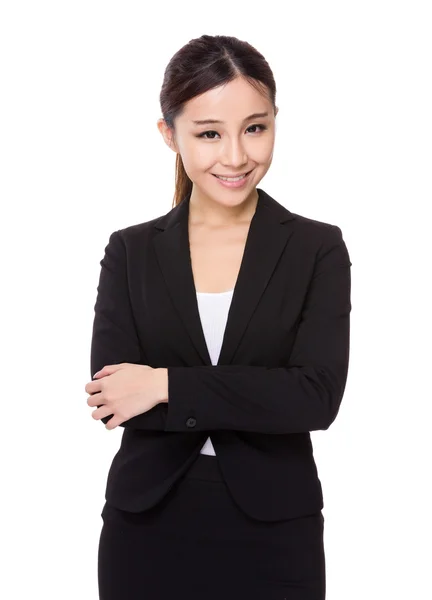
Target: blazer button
191, 422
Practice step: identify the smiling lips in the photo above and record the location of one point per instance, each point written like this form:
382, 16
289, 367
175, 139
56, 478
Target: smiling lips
233, 182
231, 177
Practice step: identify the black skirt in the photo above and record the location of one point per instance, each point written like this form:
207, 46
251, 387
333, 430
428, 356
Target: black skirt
197, 544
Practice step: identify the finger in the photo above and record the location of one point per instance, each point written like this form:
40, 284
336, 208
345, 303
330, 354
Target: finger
101, 412
109, 369
113, 422
100, 373
93, 386
94, 399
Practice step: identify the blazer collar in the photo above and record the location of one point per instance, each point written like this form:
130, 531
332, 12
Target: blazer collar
267, 237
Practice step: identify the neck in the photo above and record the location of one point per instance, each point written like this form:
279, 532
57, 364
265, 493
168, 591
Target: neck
206, 212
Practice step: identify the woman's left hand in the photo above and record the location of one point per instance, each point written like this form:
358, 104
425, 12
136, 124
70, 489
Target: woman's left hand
124, 391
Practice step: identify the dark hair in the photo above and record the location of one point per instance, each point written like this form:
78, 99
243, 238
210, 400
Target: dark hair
201, 65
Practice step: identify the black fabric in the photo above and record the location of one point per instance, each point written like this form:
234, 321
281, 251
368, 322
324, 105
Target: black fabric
197, 544
281, 372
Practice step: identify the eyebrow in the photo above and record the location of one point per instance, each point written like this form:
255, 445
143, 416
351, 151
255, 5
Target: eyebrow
212, 121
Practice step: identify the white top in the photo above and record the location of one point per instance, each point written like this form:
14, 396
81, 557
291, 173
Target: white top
213, 310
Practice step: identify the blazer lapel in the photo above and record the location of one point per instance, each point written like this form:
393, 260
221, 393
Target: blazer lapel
266, 240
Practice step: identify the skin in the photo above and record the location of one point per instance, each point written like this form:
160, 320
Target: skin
126, 390
219, 219
236, 147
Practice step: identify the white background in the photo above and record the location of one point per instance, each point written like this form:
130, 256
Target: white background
81, 156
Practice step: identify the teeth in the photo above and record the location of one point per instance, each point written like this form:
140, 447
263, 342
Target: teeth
231, 178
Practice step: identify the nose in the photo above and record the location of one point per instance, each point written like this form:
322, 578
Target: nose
233, 154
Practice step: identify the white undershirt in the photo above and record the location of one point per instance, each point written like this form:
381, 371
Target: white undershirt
213, 310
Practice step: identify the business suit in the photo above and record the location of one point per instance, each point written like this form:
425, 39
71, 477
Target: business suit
281, 372
248, 521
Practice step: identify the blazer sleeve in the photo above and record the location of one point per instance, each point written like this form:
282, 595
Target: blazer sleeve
303, 396
114, 338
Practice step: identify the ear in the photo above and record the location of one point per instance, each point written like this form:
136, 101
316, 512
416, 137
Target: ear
167, 134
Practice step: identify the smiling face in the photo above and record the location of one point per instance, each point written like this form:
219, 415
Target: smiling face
243, 141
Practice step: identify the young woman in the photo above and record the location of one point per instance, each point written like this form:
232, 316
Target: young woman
220, 340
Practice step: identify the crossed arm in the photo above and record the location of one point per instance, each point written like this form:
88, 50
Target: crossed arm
303, 396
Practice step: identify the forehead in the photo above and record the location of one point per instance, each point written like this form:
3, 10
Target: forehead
230, 102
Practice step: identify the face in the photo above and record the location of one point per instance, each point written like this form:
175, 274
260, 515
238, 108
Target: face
238, 143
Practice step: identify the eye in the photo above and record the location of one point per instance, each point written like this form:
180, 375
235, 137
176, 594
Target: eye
201, 135
263, 127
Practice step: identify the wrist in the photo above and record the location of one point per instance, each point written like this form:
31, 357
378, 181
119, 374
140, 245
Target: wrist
162, 384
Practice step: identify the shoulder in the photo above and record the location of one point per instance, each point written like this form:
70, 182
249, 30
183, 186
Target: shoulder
305, 228
137, 234
312, 224
319, 237
316, 235
131, 240
138, 230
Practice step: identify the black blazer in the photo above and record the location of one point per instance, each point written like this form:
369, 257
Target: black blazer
281, 372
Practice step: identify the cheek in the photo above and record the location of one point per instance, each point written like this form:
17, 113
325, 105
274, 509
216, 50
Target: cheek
197, 159
264, 152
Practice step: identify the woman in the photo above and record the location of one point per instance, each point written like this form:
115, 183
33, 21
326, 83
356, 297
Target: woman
220, 340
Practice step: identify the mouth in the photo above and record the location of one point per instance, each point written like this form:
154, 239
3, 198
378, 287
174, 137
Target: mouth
233, 178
